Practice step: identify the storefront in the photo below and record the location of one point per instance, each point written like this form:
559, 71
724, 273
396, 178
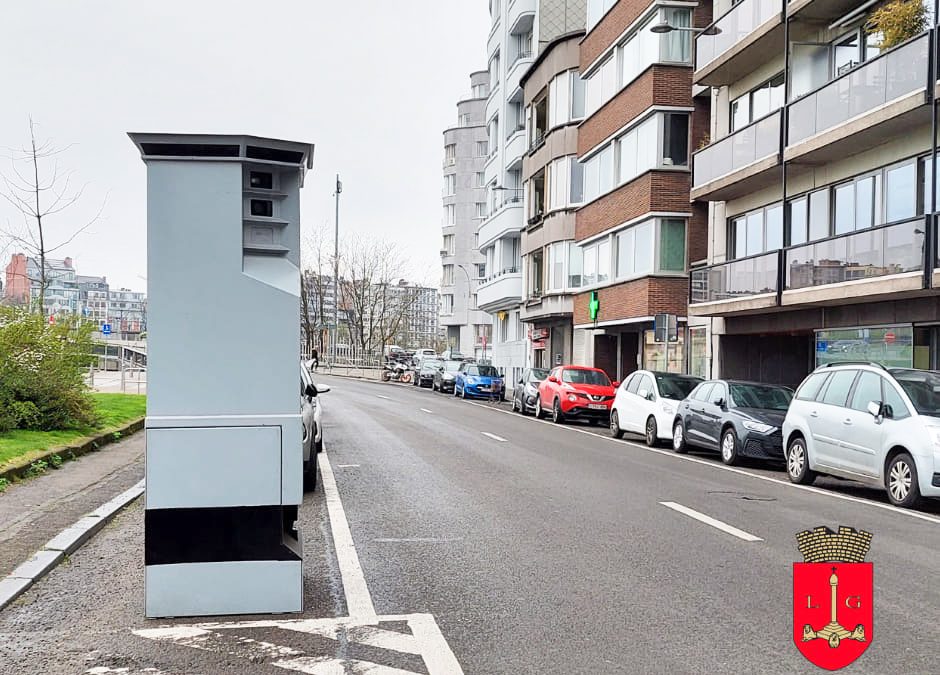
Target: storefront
551, 344
894, 346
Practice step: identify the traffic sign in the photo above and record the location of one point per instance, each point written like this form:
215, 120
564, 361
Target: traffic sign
889, 337
665, 328
106, 329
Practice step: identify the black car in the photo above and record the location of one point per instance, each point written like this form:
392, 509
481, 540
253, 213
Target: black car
446, 376
738, 419
526, 392
424, 373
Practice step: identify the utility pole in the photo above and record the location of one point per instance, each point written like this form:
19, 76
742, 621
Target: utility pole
339, 189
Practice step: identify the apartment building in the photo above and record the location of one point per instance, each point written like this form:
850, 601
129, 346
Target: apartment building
464, 197
821, 243
127, 312
93, 298
520, 29
554, 102
636, 230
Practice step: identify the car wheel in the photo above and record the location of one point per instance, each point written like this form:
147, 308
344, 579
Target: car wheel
901, 481
557, 416
615, 430
678, 438
514, 409
539, 413
463, 392
798, 469
729, 447
652, 432
310, 475
319, 445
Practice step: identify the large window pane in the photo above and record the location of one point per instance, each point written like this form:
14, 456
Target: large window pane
643, 248
776, 92
603, 261
672, 245
901, 192
625, 253
740, 112
590, 266
819, 215
676, 139
798, 221
755, 233
739, 237
575, 261
577, 180
627, 145
774, 228
844, 208
647, 145
577, 95
676, 45
592, 169
864, 203
760, 102
606, 169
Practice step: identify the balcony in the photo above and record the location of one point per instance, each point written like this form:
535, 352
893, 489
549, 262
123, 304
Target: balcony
750, 32
520, 16
506, 219
501, 290
515, 149
862, 108
740, 163
742, 286
858, 266
820, 10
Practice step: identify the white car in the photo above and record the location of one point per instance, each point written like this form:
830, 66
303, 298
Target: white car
867, 423
311, 412
646, 404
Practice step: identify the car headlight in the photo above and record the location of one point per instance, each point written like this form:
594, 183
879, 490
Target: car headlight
448, 376
668, 408
572, 398
759, 427
471, 380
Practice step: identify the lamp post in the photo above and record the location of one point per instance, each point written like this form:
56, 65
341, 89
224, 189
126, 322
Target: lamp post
668, 28
339, 190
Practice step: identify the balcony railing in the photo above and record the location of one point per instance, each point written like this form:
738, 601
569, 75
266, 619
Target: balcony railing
736, 279
538, 137
866, 254
525, 54
745, 146
879, 81
735, 25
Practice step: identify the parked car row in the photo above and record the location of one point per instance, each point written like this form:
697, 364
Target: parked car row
850, 420
311, 413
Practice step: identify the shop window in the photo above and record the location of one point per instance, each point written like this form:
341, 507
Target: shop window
891, 346
655, 354
698, 351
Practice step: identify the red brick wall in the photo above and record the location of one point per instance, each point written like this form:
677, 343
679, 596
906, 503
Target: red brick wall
652, 191
697, 242
642, 297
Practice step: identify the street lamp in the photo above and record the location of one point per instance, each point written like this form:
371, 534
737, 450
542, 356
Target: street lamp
665, 27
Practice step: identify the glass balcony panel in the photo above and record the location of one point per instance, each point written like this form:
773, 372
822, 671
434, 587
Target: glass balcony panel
737, 150
735, 26
735, 279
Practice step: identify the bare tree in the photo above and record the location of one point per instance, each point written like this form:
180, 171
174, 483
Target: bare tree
38, 189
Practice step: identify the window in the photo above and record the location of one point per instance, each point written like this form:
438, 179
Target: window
867, 389
589, 276
449, 244
450, 154
559, 176
556, 266
479, 180
596, 9
576, 181
559, 100
757, 103
450, 212
601, 85
481, 209
634, 383
479, 91
494, 71
676, 139
575, 266
480, 270
603, 261
464, 120
703, 393
837, 391
473, 301
810, 388
698, 351
635, 250
448, 277
447, 304
893, 401
677, 44
535, 273
483, 148
757, 232
577, 95
537, 195
672, 245
450, 185
900, 192
493, 130
639, 51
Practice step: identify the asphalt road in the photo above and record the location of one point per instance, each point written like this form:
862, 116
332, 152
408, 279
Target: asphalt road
535, 548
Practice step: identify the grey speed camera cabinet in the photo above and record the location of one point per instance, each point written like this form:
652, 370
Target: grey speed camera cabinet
224, 431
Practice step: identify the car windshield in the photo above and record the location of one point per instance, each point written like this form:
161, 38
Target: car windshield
675, 387
583, 376
762, 396
537, 374
430, 364
452, 366
922, 387
484, 371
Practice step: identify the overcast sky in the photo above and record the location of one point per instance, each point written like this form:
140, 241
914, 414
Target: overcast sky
371, 83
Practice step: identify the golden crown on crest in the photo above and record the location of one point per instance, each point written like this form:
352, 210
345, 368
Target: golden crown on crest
823, 545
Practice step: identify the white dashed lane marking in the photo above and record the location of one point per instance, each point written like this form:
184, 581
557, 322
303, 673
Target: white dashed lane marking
714, 522
493, 436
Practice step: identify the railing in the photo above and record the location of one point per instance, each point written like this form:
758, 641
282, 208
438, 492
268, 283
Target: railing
537, 139
502, 273
526, 54
735, 25
512, 196
880, 80
745, 146
866, 254
736, 279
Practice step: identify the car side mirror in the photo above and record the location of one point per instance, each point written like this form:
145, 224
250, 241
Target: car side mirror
322, 388
553, 379
875, 409
310, 391
643, 393
615, 385
720, 402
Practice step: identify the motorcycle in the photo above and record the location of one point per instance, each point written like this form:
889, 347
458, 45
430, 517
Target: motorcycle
396, 371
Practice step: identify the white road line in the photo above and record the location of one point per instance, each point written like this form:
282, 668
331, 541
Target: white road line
425, 410
493, 436
708, 520
348, 466
723, 467
358, 599
430, 540
381, 396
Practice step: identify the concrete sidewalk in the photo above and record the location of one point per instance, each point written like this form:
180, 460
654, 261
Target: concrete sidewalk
34, 511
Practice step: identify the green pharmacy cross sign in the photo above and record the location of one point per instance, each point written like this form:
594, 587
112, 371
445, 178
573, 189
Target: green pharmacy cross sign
594, 306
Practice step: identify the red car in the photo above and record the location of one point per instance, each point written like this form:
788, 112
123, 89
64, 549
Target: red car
576, 392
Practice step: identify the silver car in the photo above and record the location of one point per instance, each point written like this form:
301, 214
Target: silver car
311, 410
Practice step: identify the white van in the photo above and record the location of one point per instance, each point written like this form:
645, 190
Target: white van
870, 424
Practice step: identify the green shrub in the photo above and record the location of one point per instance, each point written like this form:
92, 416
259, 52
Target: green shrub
41, 372
897, 21
56, 461
37, 468
4, 483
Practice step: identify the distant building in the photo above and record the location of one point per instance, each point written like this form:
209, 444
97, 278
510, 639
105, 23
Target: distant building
127, 312
420, 327
93, 298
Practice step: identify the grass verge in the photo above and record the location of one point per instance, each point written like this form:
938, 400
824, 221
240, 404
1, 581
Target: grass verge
114, 411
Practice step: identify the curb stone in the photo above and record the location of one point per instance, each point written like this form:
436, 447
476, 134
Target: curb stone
65, 543
88, 445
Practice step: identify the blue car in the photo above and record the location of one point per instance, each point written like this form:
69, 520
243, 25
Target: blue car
476, 381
